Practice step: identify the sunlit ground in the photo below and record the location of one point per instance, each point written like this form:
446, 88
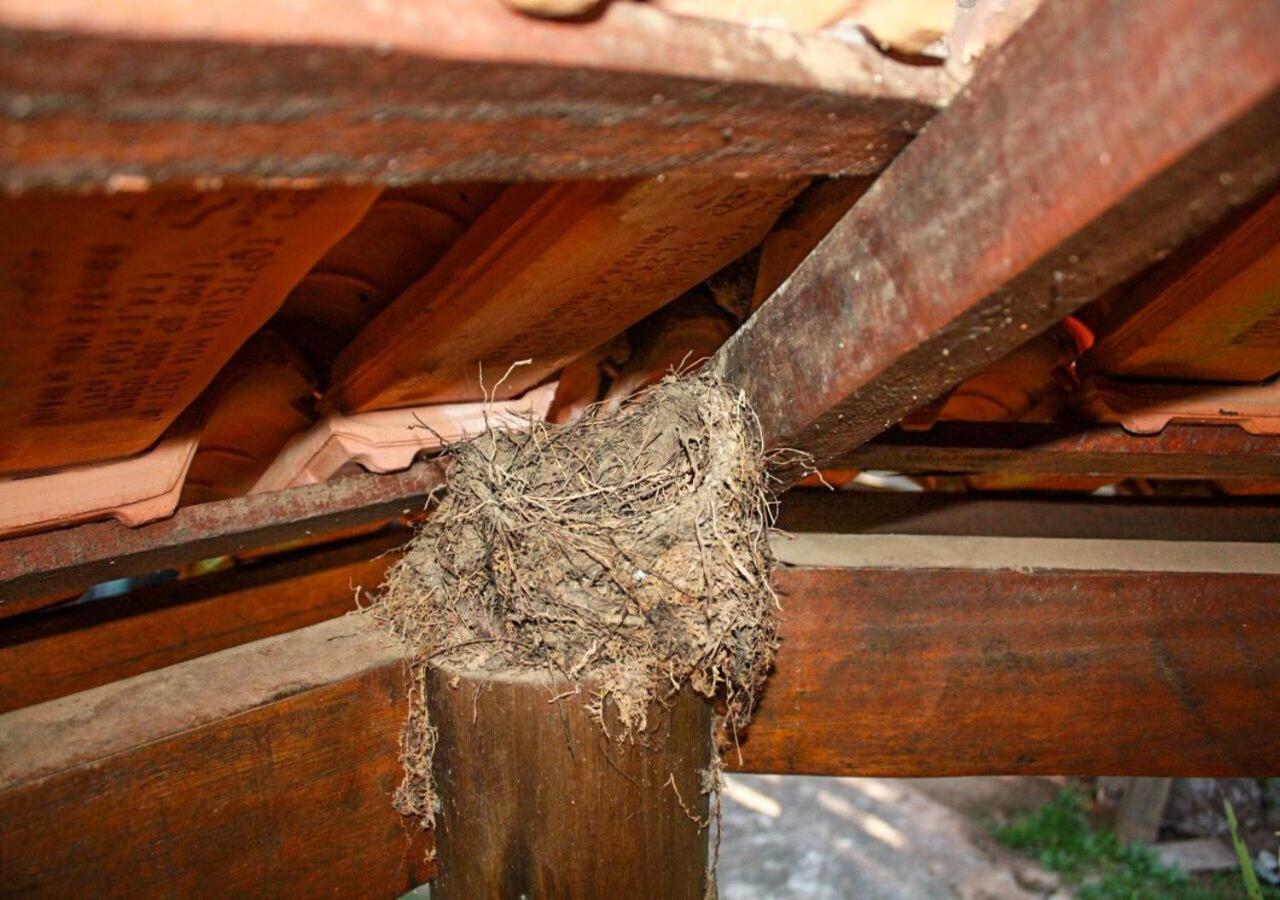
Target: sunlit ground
873, 838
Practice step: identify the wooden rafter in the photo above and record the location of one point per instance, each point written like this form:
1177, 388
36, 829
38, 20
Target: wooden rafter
1179, 451
41, 569
1062, 169
124, 94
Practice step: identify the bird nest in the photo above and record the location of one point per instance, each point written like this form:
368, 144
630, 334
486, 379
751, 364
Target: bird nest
628, 553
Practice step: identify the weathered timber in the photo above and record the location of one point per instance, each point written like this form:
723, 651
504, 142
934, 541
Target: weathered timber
1011, 514
121, 94
265, 770
949, 656
53, 653
43, 568
1036, 189
271, 765
538, 802
1179, 451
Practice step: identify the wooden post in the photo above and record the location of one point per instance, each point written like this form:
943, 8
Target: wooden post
538, 802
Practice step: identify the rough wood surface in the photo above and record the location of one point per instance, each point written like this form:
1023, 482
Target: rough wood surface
42, 569
265, 770
121, 93
1053, 670
537, 802
1179, 451
1010, 514
1036, 189
256, 768
63, 651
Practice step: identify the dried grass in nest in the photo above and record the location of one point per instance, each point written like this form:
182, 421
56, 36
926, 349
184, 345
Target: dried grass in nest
629, 552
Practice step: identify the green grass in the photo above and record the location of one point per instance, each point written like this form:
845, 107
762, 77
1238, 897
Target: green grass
1061, 837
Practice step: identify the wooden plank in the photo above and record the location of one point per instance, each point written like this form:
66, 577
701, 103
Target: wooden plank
546, 273
74, 648
42, 569
118, 93
1179, 451
960, 663
1211, 312
1036, 189
266, 770
1010, 514
536, 802
270, 766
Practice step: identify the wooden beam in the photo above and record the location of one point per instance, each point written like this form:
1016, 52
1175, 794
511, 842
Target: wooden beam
73, 648
41, 569
1036, 189
925, 656
122, 94
1179, 451
1011, 514
273, 763
265, 769
536, 801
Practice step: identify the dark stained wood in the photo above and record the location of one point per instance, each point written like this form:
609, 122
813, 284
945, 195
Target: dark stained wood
42, 569
1036, 189
1179, 451
1010, 514
266, 770
965, 671
537, 802
123, 94
269, 768
62, 651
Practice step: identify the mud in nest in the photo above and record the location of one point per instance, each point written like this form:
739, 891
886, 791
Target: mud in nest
629, 552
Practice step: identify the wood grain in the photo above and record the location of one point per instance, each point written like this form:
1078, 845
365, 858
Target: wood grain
42, 569
106, 93
74, 648
1039, 187
1179, 451
538, 803
266, 770
269, 767
939, 672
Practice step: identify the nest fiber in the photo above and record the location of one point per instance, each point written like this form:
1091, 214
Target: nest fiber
629, 553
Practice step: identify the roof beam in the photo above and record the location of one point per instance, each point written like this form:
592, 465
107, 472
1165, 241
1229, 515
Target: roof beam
125, 95
41, 569
1179, 451
1013, 514
1063, 168
83, 645
279, 757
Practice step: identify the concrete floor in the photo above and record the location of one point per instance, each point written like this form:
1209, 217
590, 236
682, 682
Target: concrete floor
875, 839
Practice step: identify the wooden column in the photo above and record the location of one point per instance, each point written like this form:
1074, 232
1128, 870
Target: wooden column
538, 802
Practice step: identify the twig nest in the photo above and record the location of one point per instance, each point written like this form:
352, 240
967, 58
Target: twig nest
628, 552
